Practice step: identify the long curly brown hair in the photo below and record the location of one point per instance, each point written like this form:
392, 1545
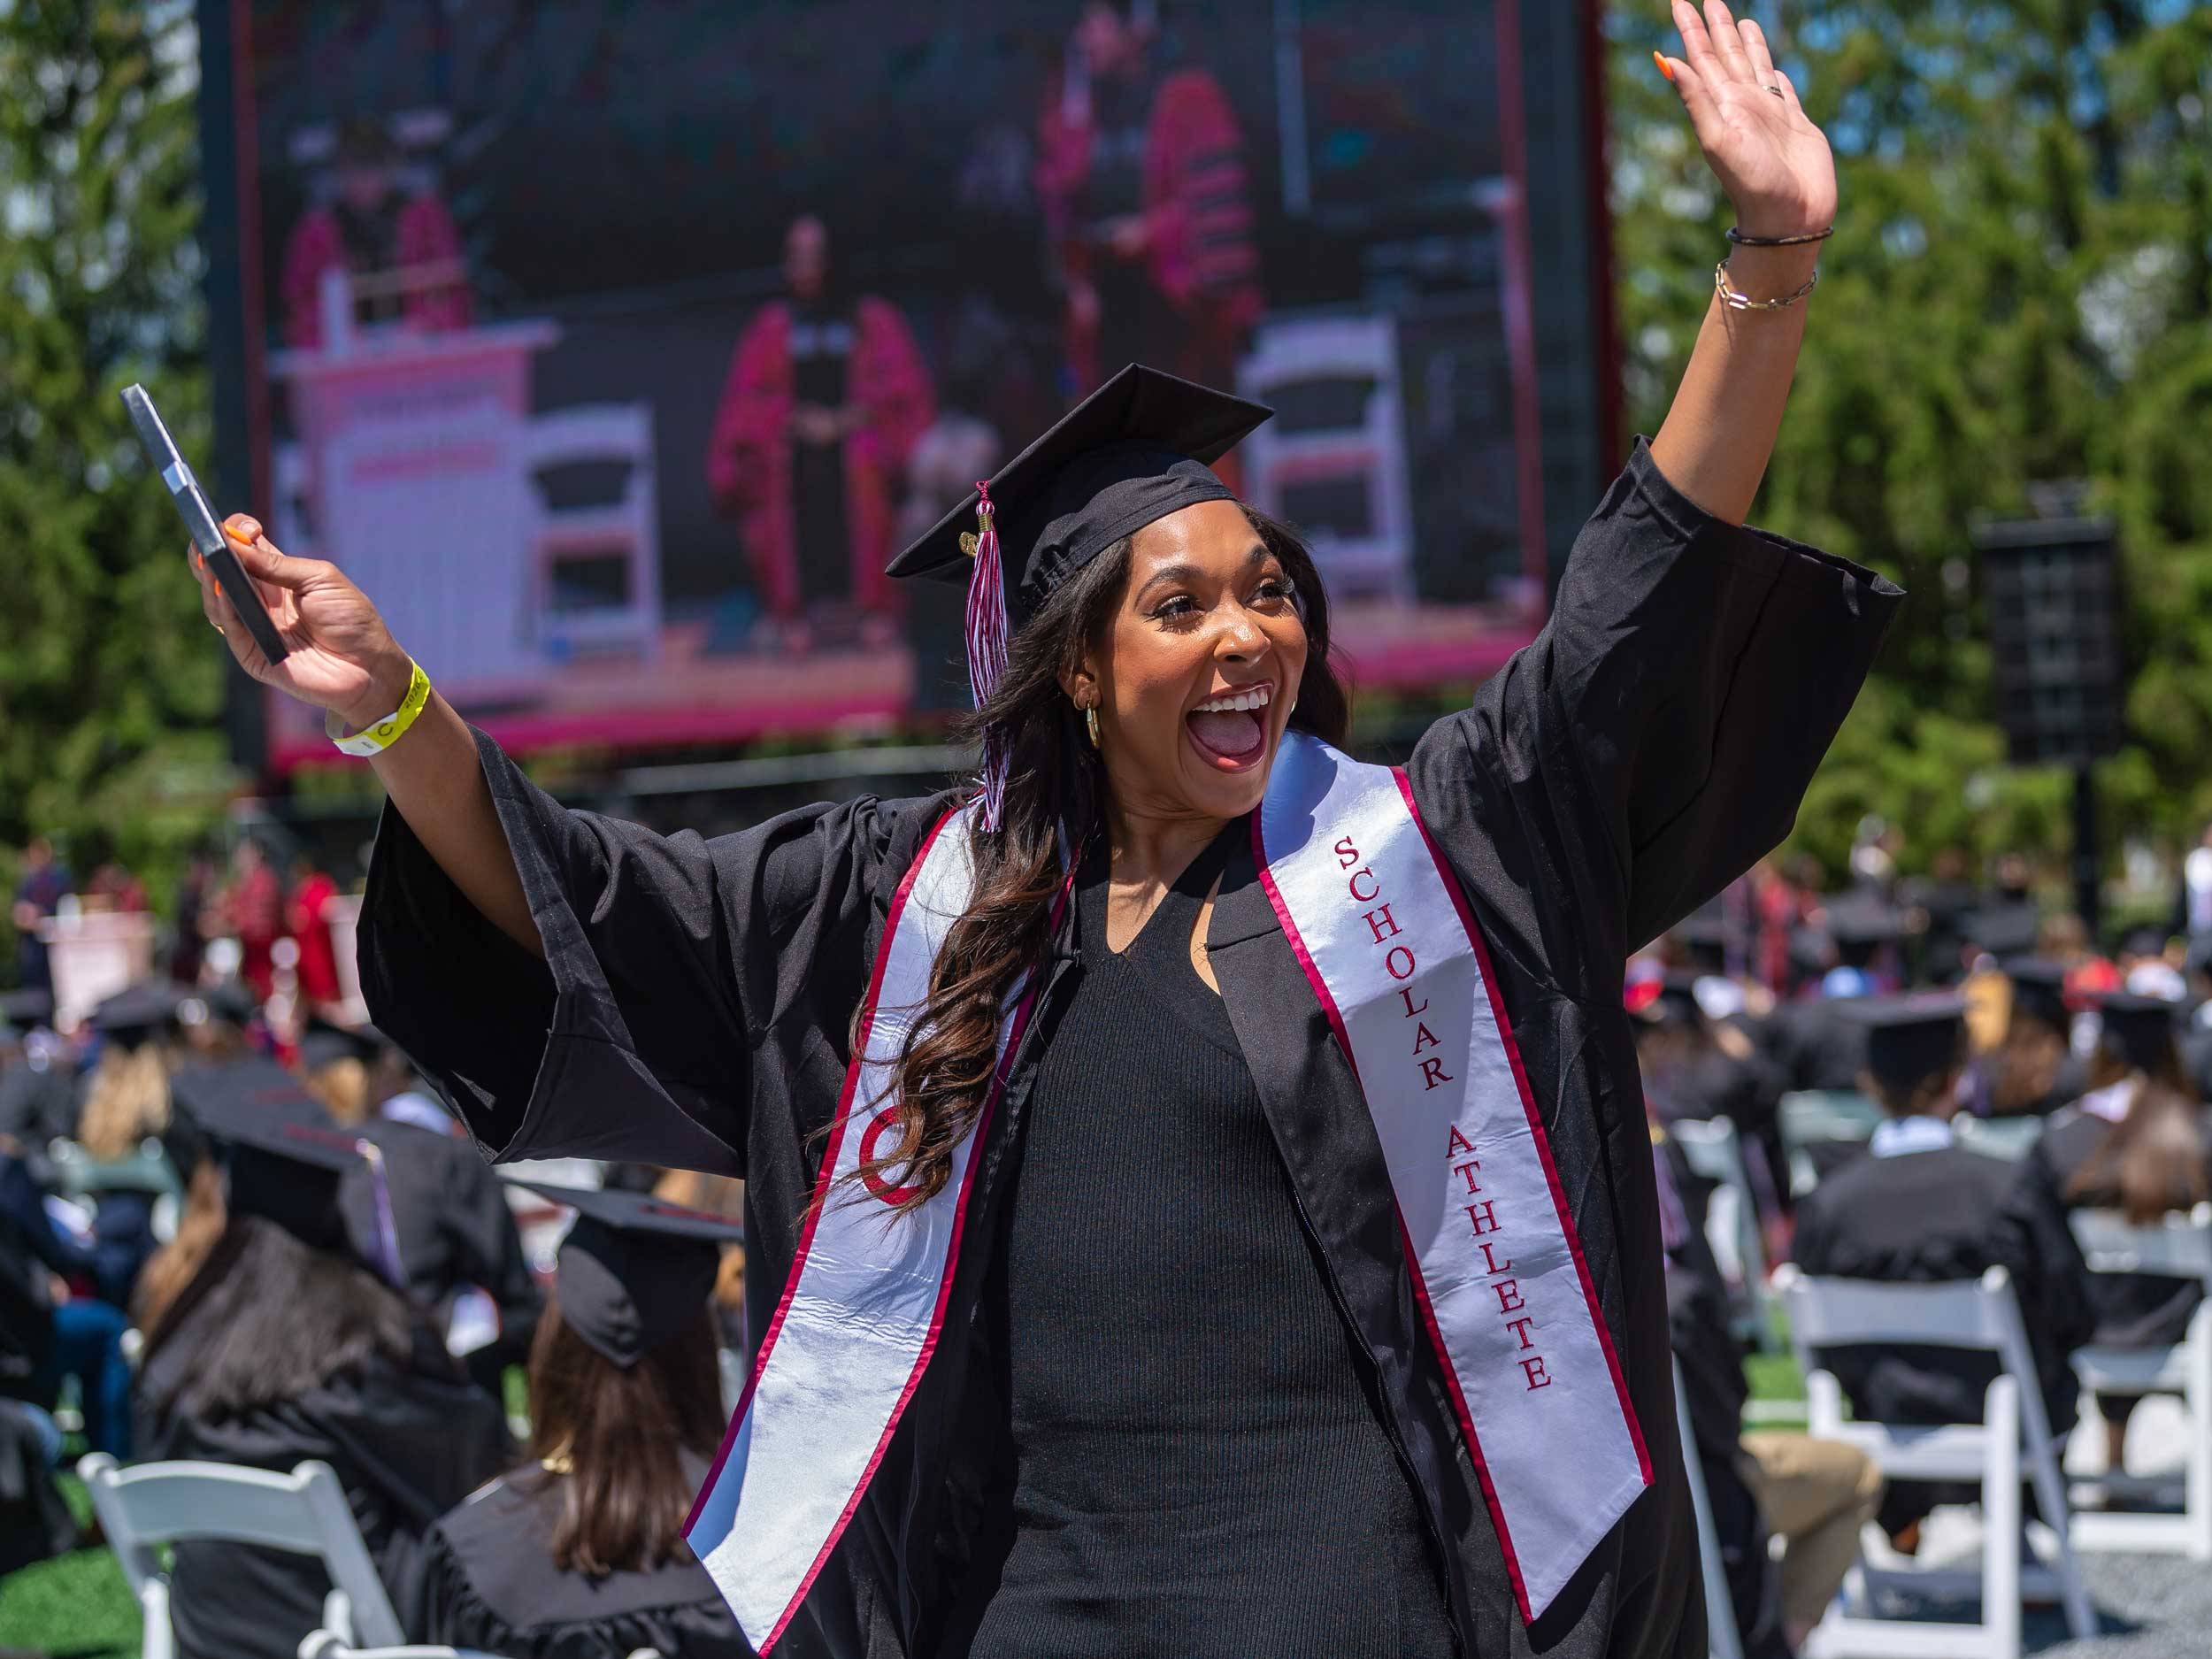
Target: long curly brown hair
1056, 780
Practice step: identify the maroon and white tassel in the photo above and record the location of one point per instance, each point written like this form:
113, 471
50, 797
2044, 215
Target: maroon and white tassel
987, 651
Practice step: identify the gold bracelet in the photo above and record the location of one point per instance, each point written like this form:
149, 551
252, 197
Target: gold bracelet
1736, 302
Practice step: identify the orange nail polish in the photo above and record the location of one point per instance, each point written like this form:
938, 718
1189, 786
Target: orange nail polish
1665, 68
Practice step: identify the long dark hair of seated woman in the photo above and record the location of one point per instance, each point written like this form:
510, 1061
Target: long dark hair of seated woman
241, 1316
1055, 777
2152, 1161
615, 1439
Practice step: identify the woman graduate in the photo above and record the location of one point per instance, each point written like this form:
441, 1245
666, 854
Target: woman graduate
273, 1337
1198, 1198
579, 1554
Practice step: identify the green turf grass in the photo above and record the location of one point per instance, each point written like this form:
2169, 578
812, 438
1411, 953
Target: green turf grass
74, 1607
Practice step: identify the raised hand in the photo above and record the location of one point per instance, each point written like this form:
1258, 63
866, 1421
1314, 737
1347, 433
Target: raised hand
342, 657
1772, 161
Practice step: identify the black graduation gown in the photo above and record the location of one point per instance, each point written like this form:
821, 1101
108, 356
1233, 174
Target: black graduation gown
694, 1006
454, 1229
2133, 1309
489, 1582
1934, 1217
407, 1444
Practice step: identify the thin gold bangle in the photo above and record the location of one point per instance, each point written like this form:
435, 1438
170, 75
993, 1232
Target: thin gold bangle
1736, 302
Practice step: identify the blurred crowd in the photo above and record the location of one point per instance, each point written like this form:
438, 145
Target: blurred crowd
1920, 1079
236, 1228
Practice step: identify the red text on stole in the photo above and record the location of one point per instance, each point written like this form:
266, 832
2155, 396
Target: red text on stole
1489, 1232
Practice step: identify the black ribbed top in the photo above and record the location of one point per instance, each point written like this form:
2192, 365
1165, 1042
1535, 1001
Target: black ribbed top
1200, 1466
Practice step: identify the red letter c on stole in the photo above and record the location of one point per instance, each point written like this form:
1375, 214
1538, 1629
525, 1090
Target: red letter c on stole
885, 1120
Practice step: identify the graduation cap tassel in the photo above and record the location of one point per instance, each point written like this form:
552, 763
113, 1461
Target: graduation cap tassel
987, 647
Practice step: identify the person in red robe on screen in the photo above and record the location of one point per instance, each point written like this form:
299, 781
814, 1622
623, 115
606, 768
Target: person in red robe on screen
1141, 176
370, 228
827, 395
307, 916
252, 911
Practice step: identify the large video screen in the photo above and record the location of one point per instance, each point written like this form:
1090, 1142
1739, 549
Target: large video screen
614, 349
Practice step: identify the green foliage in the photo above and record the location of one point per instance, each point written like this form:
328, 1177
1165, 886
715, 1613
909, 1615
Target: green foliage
2018, 294
110, 696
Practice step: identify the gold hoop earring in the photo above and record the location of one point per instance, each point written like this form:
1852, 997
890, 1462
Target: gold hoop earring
1090, 721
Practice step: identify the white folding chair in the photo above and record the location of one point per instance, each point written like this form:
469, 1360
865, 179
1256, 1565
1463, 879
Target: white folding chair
324, 1644
2180, 1248
305, 1512
1811, 1117
1721, 1636
2011, 1139
1975, 1315
625, 531
1731, 1220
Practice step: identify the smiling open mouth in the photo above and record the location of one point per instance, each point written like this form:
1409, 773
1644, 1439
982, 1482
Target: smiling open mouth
1232, 729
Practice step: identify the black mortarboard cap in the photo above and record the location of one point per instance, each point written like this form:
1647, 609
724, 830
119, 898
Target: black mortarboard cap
2139, 1029
30, 1006
1910, 1039
634, 1270
2038, 989
137, 1011
286, 1158
323, 1043
1133, 451
1864, 918
2004, 930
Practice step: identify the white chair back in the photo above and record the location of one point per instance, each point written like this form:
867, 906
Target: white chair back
2178, 1247
324, 1644
2013, 1438
304, 1512
1714, 1154
1721, 1636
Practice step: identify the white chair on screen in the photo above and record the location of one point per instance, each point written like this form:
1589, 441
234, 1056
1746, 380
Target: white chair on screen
1721, 1637
625, 532
2181, 1247
2013, 1438
305, 1512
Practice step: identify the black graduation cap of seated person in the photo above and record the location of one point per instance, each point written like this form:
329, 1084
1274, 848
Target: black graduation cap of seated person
2139, 1029
1133, 451
135, 1013
27, 1008
634, 1270
1910, 1038
2038, 989
284, 1157
322, 1044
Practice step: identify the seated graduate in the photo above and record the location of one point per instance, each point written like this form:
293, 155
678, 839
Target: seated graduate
2138, 1143
458, 1246
1920, 1209
2033, 1071
579, 1553
1695, 1066
270, 1339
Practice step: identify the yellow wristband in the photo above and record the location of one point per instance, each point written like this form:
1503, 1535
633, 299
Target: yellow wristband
378, 735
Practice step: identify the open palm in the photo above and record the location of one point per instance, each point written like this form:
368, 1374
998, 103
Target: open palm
340, 648
1772, 161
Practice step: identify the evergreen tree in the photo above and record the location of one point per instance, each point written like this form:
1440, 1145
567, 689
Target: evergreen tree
111, 684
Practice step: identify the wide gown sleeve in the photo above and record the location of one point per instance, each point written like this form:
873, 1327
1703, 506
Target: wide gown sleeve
667, 958
1655, 739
